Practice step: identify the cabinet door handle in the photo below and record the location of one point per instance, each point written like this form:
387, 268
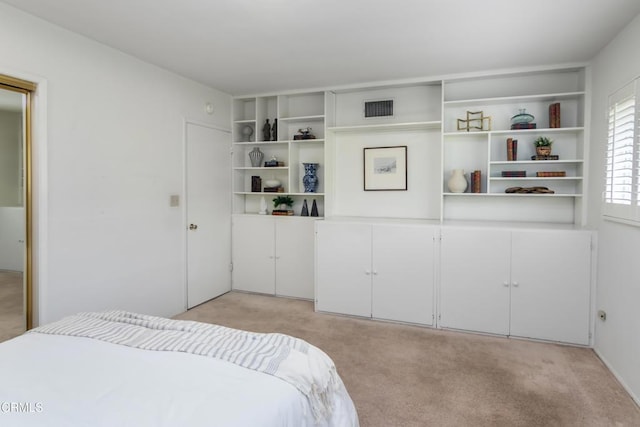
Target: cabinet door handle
375, 273
505, 284
367, 272
516, 284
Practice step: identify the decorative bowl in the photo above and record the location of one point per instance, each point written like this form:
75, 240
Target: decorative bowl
272, 183
522, 117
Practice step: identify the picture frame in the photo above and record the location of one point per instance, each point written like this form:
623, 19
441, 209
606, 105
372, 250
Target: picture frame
385, 168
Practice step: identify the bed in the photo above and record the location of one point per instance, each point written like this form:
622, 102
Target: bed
118, 368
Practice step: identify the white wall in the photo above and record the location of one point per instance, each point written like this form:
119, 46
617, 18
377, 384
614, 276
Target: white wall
423, 178
617, 340
114, 144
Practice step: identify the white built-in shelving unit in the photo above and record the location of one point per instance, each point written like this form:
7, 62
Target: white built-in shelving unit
466, 260
424, 119
293, 112
501, 97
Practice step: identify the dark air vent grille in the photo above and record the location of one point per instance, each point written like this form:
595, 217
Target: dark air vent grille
378, 108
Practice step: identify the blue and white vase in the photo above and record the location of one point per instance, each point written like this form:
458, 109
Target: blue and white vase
310, 179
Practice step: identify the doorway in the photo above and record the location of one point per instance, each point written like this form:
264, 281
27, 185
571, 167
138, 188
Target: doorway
15, 206
208, 207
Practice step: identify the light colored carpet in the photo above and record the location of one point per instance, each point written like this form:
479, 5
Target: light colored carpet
399, 375
12, 321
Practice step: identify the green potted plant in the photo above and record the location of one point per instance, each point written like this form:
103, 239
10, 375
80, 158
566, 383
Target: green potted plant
543, 145
283, 202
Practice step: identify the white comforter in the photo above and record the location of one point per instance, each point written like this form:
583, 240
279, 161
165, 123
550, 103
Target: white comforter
54, 380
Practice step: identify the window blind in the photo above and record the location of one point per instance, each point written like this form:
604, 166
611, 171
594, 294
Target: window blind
622, 180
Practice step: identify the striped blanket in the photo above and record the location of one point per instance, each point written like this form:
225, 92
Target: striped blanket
291, 359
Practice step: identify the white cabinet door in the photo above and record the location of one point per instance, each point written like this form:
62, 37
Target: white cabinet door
295, 257
343, 268
474, 287
253, 254
403, 273
550, 291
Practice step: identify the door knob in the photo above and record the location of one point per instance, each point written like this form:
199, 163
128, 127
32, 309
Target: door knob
193, 226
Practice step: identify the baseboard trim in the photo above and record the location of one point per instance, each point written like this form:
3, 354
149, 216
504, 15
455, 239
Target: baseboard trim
617, 377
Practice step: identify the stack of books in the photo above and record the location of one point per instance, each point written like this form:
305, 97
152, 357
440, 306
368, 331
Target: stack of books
554, 115
514, 174
475, 178
544, 174
517, 126
549, 157
512, 149
274, 189
284, 212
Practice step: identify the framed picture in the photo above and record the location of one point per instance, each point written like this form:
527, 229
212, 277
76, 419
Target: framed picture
385, 168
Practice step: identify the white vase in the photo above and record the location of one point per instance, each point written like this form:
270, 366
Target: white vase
457, 183
256, 157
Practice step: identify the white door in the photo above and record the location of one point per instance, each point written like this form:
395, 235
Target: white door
475, 280
550, 291
254, 253
343, 274
403, 273
208, 213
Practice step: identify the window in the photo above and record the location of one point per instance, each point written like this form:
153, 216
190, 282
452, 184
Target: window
622, 185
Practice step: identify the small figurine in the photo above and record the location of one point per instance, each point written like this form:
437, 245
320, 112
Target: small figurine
274, 130
247, 131
266, 131
263, 206
305, 208
304, 133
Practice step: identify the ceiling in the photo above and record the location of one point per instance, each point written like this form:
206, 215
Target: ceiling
262, 46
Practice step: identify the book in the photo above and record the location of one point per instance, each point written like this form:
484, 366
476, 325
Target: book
549, 157
283, 212
475, 178
554, 115
514, 174
516, 126
512, 149
256, 184
551, 173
